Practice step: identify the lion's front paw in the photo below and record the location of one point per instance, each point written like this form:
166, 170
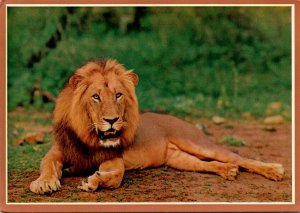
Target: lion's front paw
44, 185
87, 186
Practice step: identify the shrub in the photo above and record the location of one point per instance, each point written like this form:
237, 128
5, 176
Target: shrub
240, 56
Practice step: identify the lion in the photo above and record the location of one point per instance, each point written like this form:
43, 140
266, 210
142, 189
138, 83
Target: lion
98, 131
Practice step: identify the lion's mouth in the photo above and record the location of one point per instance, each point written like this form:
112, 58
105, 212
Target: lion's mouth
109, 134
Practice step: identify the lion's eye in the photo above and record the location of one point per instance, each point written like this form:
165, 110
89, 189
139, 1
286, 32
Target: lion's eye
96, 97
118, 95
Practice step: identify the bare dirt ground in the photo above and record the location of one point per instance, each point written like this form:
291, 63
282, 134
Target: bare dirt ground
168, 185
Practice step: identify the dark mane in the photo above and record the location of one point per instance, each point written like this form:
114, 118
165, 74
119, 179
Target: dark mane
80, 146
79, 157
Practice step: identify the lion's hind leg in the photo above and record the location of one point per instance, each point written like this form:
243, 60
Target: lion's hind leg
183, 161
273, 171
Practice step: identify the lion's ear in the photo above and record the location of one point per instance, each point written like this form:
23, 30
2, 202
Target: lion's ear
74, 80
133, 77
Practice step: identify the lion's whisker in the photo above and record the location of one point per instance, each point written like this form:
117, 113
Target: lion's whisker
93, 126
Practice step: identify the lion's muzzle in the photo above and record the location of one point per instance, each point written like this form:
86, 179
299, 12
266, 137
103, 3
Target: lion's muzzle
109, 131
109, 134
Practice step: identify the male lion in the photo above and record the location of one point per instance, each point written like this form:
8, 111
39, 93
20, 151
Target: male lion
97, 128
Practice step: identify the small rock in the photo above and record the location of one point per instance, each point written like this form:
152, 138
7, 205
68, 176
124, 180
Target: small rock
218, 120
33, 138
247, 115
272, 120
19, 141
15, 132
286, 114
269, 128
37, 148
275, 105
204, 129
273, 108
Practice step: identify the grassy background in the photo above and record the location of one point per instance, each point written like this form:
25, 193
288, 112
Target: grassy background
192, 61
26, 157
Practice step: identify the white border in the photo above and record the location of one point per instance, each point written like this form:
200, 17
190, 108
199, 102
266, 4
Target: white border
293, 103
149, 5
169, 5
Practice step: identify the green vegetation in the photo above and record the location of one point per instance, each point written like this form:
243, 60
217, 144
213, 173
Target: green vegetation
231, 141
127, 181
192, 61
26, 157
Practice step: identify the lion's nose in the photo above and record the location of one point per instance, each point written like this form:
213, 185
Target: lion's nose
111, 120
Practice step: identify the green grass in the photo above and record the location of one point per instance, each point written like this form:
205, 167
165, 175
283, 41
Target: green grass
192, 62
127, 181
231, 140
236, 56
26, 157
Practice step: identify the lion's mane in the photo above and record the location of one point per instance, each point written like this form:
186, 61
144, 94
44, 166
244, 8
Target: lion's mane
72, 133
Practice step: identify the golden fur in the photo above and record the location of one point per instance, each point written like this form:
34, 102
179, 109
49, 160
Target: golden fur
79, 117
101, 96
72, 104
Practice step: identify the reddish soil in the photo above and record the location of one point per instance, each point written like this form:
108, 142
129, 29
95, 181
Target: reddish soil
168, 185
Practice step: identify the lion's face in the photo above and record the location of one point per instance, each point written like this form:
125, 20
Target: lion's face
104, 107
106, 102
